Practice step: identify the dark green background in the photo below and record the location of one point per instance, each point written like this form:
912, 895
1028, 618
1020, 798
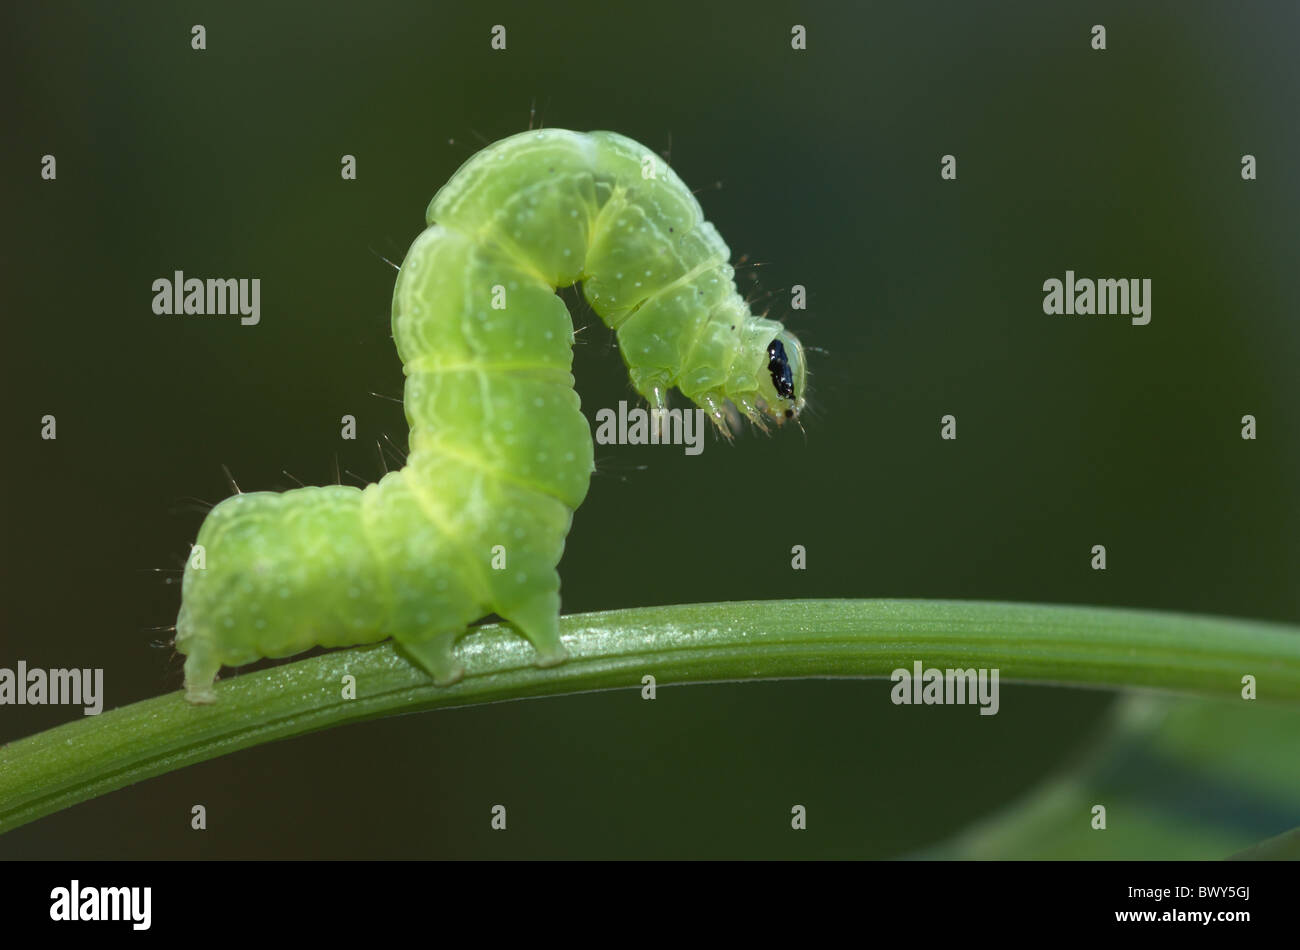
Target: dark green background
925, 296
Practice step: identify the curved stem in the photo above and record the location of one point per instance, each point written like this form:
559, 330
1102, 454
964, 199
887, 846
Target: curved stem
1085, 646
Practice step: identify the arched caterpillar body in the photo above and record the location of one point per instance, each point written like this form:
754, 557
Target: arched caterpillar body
500, 453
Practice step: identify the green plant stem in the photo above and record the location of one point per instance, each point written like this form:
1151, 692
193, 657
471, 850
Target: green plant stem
695, 643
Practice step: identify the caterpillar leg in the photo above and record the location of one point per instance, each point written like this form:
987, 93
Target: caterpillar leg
201, 669
749, 406
658, 399
653, 388
720, 411
434, 653
539, 620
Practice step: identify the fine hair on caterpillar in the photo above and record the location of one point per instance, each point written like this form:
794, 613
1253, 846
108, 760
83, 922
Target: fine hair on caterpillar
500, 454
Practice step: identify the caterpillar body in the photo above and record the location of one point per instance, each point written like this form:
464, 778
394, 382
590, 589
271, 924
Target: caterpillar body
500, 453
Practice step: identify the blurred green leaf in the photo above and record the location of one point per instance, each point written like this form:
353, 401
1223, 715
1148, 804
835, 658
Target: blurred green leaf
1179, 779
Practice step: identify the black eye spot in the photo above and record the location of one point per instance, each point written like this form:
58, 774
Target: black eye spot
779, 367
789, 413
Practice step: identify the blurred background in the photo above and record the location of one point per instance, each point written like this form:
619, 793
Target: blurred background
924, 298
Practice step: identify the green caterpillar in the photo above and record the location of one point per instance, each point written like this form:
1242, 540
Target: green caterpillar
500, 453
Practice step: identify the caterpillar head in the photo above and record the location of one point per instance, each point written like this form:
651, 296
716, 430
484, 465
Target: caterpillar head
767, 381
788, 377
